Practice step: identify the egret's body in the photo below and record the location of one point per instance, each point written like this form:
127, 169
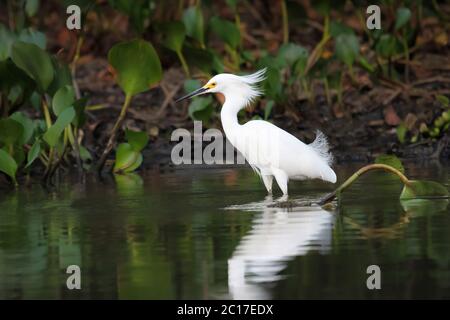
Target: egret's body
271, 151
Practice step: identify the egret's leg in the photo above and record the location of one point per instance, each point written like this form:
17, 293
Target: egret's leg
282, 180
267, 179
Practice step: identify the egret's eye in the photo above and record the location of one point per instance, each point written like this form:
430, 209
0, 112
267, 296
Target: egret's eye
210, 85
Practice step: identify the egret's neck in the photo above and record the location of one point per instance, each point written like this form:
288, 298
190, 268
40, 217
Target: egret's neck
228, 115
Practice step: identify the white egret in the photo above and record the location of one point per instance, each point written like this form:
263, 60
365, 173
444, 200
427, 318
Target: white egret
271, 151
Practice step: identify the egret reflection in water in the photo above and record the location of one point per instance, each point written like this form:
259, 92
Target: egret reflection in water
277, 236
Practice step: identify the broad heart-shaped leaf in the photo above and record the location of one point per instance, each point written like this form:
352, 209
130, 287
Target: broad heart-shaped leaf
137, 139
27, 124
34, 61
10, 131
390, 160
63, 98
33, 153
8, 165
201, 108
347, 48
137, 65
226, 31
193, 21
417, 189
127, 159
402, 17
54, 132
174, 35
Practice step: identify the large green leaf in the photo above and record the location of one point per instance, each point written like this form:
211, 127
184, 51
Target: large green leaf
387, 46
291, 54
8, 165
347, 48
174, 35
137, 139
27, 124
33, 36
33, 153
34, 61
402, 18
54, 132
227, 31
10, 131
201, 108
417, 189
193, 21
127, 159
63, 99
390, 160
137, 65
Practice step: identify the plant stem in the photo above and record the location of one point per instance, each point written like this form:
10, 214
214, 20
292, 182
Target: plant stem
113, 134
183, 63
357, 174
284, 15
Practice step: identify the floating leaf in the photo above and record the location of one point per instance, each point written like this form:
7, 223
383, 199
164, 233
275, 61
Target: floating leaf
423, 189
8, 165
34, 61
193, 21
137, 139
63, 99
347, 48
33, 153
390, 160
227, 31
10, 131
127, 159
54, 132
402, 18
137, 65
27, 124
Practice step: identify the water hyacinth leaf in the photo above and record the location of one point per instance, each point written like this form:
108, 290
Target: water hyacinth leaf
34, 61
34, 153
337, 28
402, 17
137, 65
390, 160
347, 48
201, 58
193, 21
85, 154
33, 36
387, 46
226, 31
191, 85
201, 108
7, 40
10, 131
8, 165
126, 158
135, 165
174, 35
290, 53
63, 99
423, 189
54, 132
424, 207
28, 126
137, 139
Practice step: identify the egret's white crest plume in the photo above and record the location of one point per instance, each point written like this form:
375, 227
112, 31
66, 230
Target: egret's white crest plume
271, 151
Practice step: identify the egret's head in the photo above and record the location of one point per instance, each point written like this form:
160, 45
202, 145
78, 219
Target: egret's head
229, 84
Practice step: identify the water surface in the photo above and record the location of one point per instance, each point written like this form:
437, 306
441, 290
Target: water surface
211, 233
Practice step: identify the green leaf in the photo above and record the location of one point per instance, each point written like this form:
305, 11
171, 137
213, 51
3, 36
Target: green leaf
193, 21
7, 39
34, 61
8, 165
443, 99
402, 18
127, 159
387, 46
174, 35
32, 36
268, 109
62, 77
347, 48
201, 108
31, 7
54, 132
191, 85
137, 65
390, 160
80, 116
33, 153
291, 54
63, 99
137, 139
226, 31
27, 124
423, 189
337, 28
10, 131
84, 153
401, 132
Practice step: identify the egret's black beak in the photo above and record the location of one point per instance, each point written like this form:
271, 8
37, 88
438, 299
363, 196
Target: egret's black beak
193, 94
